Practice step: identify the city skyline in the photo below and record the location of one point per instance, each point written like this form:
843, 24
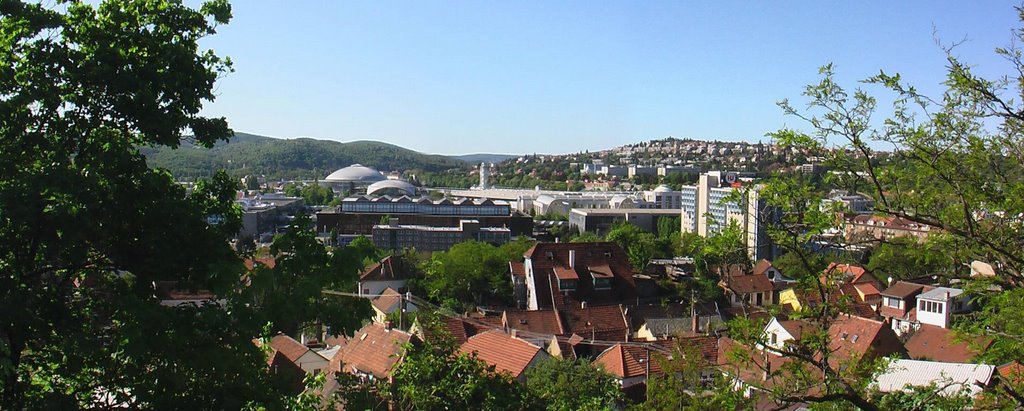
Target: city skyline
464, 77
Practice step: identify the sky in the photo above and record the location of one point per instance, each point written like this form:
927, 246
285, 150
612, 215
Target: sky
520, 77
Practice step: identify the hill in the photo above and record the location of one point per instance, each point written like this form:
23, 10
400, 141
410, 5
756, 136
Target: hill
290, 158
484, 157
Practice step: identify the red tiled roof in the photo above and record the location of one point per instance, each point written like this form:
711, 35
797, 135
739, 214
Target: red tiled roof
540, 321
373, 350
934, 343
624, 361
504, 352
388, 269
796, 328
287, 346
761, 267
857, 336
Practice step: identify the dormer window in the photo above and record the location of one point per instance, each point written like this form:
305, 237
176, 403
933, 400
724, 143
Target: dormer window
602, 283
567, 285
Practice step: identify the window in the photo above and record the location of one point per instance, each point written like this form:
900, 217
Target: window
602, 283
892, 302
567, 285
775, 338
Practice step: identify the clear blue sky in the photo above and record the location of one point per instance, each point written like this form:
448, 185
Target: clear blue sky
456, 77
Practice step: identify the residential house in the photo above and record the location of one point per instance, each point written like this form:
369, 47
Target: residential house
297, 353
908, 305
390, 301
852, 338
559, 275
743, 289
391, 272
505, 352
629, 364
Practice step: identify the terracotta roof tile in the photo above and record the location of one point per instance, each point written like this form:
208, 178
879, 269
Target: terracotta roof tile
903, 290
626, 361
268, 262
372, 350
934, 343
761, 267
388, 301
504, 352
288, 346
517, 268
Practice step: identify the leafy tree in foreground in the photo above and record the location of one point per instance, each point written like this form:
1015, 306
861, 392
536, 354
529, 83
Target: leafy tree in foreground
289, 294
957, 165
88, 228
564, 385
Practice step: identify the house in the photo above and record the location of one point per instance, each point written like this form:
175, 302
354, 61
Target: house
458, 329
662, 322
908, 305
899, 305
372, 352
505, 352
850, 285
391, 272
765, 268
852, 338
629, 364
607, 322
547, 322
297, 353
559, 275
390, 301
936, 306
743, 289
950, 378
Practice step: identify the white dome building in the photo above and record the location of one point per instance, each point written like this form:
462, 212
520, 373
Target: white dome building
356, 173
391, 188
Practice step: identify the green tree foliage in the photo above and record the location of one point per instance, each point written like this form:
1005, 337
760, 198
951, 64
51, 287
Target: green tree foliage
88, 227
300, 158
681, 386
469, 272
956, 166
568, 385
906, 257
639, 244
289, 294
312, 194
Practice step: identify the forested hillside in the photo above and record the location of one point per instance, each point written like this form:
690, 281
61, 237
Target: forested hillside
290, 159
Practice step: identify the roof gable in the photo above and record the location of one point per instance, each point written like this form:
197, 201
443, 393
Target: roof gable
504, 352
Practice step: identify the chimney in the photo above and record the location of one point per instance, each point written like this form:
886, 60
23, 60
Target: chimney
572, 258
513, 333
947, 295
583, 304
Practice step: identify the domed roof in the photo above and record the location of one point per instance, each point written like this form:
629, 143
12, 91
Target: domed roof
355, 173
662, 189
382, 187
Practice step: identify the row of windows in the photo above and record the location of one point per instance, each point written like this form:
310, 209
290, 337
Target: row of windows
931, 307
426, 209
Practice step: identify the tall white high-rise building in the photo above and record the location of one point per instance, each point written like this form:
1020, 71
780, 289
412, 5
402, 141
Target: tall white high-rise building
485, 174
721, 199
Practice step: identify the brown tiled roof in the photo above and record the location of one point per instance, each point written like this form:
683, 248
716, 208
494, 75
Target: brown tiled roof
565, 273
388, 301
373, 350
287, 370
707, 344
169, 290
746, 284
761, 267
540, 321
624, 361
504, 352
600, 323
288, 346
903, 290
934, 343
388, 269
1012, 371
549, 260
